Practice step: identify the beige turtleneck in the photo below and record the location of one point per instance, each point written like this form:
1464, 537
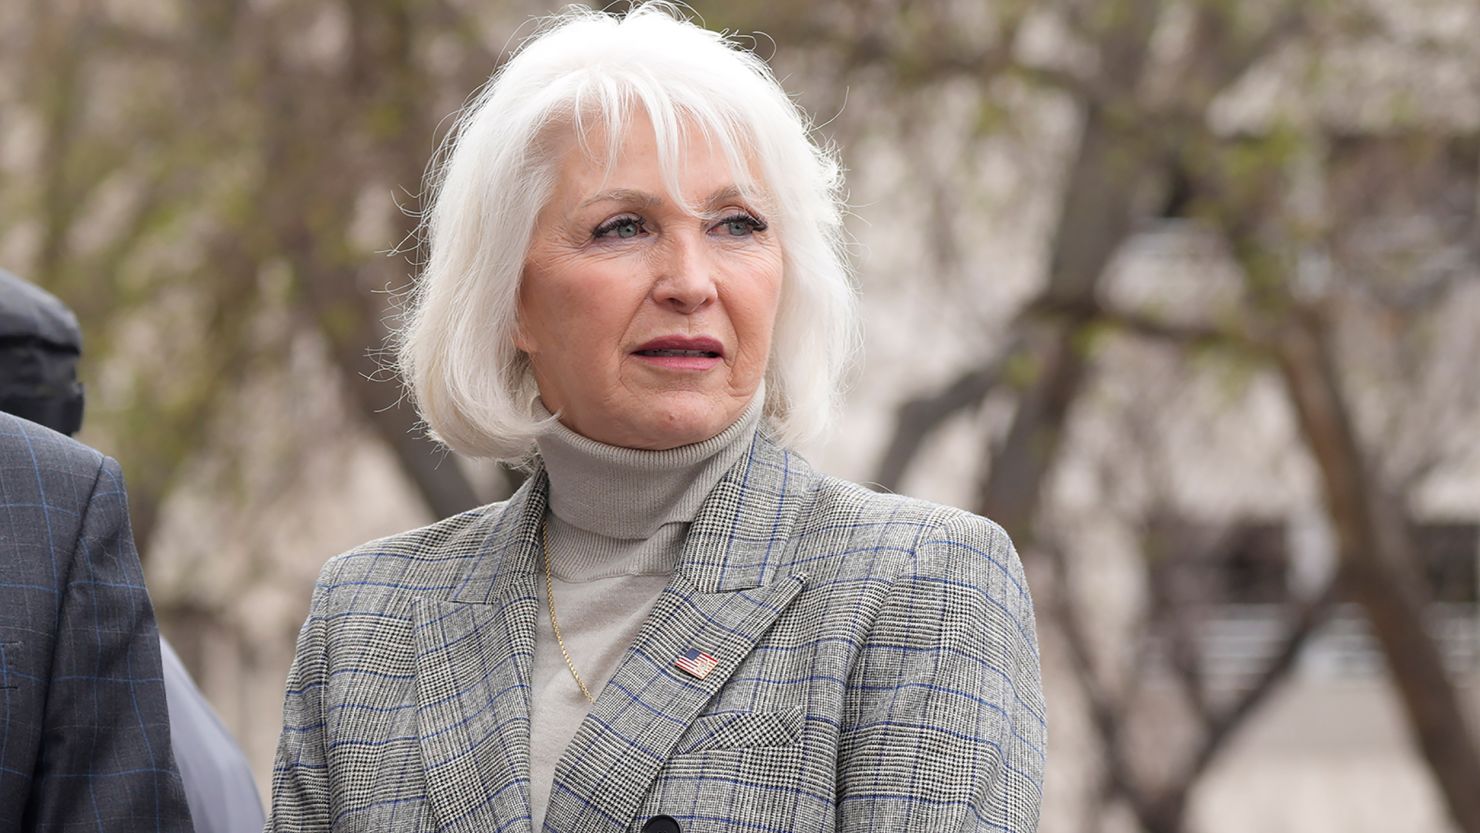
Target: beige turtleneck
618, 519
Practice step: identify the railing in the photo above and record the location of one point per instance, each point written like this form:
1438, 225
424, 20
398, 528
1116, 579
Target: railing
1237, 642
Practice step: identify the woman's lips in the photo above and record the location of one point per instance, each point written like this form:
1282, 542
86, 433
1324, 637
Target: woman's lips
681, 353
680, 361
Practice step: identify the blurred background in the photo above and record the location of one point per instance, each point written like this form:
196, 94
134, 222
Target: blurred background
1184, 293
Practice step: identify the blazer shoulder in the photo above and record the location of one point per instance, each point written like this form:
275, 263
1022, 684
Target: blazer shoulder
408, 562
928, 537
56, 489
837, 494
51, 457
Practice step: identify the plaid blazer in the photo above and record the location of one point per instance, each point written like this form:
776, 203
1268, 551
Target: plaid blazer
84, 732
877, 670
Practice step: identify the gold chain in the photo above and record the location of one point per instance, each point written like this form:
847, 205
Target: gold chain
555, 620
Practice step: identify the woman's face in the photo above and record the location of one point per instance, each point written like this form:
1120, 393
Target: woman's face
647, 326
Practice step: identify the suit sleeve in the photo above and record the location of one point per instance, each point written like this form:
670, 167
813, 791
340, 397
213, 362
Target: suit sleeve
944, 725
106, 762
300, 782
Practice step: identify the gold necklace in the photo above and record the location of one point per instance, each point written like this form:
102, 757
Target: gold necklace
555, 620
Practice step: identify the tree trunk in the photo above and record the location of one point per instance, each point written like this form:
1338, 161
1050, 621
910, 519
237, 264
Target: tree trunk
1096, 218
1374, 538
432, 470
315, 189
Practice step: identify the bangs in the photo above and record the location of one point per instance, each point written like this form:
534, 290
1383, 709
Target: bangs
599, 108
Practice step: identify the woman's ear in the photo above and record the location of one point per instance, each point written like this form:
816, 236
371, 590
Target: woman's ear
521, 340
524, 343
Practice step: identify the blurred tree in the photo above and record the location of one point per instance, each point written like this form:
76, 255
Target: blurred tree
189, 156
1368, 513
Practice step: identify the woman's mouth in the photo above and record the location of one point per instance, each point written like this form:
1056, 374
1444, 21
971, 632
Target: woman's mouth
681, 353
702, 353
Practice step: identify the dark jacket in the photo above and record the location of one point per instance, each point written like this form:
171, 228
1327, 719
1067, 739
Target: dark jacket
85, 740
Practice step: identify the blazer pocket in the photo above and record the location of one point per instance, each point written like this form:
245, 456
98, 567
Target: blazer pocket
741, 730
10, 665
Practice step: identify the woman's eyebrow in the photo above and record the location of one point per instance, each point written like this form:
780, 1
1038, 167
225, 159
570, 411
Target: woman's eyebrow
718, 199
644, 199
626, 196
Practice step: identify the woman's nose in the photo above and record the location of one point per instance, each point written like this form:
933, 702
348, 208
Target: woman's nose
685, 279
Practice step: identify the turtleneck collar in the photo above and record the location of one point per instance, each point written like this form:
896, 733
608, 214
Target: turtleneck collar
629, 493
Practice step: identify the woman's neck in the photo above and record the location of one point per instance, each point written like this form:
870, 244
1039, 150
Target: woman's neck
629, 493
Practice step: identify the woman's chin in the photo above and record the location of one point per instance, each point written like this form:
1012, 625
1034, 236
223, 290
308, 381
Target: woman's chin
674, 435
683, 422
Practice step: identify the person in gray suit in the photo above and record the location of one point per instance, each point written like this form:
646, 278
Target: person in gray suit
635, 283
40, 346
84, 729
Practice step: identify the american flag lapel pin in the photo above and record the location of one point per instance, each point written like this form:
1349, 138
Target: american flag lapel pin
695, 663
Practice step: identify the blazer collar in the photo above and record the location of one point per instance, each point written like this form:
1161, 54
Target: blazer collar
509, 556
737, 541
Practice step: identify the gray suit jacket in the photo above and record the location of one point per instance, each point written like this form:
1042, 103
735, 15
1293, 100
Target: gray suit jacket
85, 741
877, 670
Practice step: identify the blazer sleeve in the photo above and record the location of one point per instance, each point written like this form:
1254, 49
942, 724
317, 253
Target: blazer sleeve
300, 783
944, 721
106, 762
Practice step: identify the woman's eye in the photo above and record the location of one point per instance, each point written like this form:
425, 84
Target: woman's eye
741, 225
620, 227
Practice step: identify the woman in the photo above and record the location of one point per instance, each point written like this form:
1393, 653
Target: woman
635, 283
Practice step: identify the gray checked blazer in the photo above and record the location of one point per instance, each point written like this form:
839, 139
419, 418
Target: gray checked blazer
84, 731
877, 670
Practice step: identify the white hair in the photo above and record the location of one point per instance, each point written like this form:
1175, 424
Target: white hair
586, 69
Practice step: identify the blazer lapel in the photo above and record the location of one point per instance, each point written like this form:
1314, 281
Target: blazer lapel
612, 761
732, 583
473, 657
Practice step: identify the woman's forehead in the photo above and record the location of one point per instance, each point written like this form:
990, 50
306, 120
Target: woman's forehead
691, 165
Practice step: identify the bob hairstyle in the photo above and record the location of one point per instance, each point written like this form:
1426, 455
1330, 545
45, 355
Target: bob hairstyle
588, 70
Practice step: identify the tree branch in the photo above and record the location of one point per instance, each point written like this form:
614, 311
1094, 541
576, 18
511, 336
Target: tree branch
1106, 711
1306, 619
917, 418
1090, 312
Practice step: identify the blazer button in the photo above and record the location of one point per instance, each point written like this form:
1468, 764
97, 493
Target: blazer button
661, 824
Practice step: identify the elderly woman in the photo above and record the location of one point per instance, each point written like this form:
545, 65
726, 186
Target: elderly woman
636, 285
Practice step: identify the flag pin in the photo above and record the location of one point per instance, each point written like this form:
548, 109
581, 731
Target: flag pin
696, 663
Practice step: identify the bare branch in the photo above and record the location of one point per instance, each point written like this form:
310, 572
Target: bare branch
155, 199
1307, 617
1184, 648
1090, 312
916, 419
1105, 710
1061, 80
